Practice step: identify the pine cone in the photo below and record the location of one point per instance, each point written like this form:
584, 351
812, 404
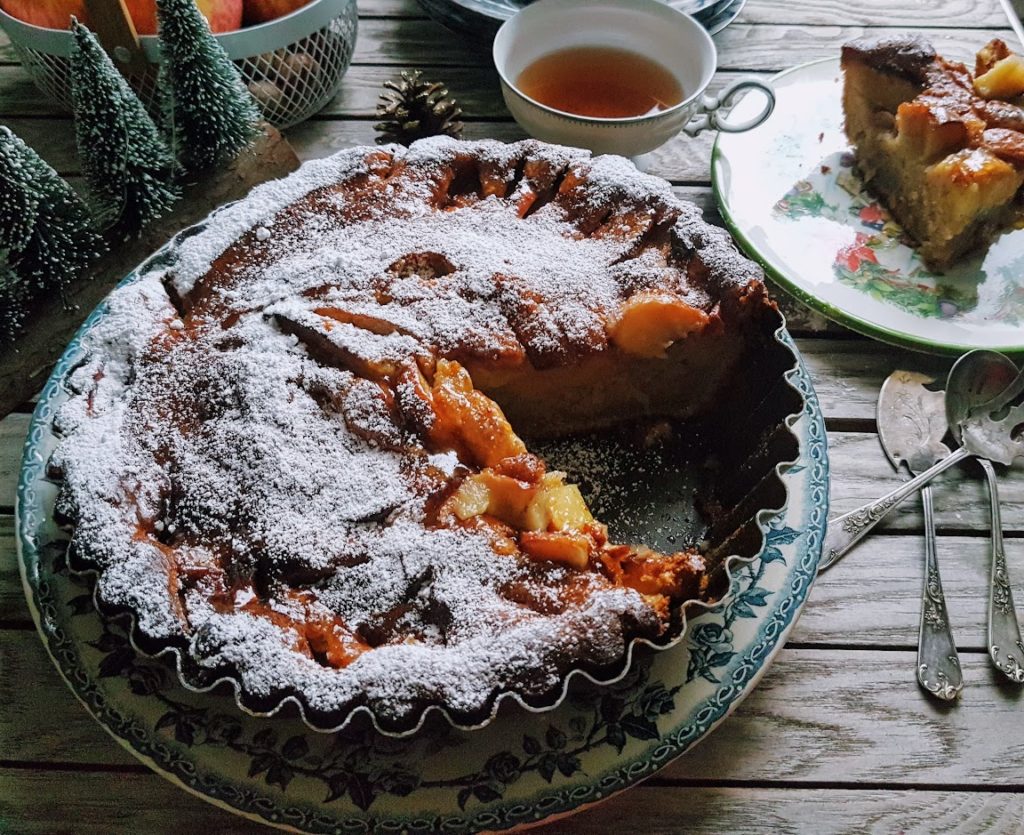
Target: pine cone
411, 109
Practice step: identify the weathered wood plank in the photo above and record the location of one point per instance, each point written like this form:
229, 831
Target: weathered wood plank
13, 430
847, 373
879, 724
475, 88
12, 599
145, 803
964, 13
681, 159
861, 473
874, 596
743, 45
968, 14
859, 716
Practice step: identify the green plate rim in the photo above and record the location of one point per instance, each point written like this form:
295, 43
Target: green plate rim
778, 274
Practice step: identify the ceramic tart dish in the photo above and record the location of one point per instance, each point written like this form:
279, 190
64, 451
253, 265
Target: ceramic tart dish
291, 448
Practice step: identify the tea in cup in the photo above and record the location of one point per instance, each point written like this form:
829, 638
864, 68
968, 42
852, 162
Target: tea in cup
614, 76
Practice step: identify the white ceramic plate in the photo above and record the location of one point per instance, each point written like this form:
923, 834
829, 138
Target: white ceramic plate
792, 198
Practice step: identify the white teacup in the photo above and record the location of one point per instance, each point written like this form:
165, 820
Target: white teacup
648, 27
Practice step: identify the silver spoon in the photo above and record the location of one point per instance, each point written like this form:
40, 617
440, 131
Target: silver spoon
976, 378
911, 424
982, 436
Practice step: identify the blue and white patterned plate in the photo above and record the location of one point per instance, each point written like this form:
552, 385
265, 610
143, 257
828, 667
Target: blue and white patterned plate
521, 768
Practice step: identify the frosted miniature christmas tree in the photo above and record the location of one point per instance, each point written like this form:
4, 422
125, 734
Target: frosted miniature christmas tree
210, 113
129, 168
45, 228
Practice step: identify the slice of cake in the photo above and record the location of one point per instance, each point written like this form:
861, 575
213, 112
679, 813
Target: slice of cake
944, 149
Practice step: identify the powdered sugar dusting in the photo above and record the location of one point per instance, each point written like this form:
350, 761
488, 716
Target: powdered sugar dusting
236, 471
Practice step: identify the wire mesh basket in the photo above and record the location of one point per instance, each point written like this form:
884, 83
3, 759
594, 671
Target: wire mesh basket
293, 65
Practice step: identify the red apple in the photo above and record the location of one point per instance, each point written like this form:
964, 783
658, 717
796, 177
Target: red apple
50, 14
222, 15
260, 11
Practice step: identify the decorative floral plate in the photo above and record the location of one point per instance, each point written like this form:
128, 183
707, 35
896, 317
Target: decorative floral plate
791, 195
522, 768
482, 18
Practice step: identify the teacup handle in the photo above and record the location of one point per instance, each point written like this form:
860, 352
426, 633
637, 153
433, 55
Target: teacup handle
707, 115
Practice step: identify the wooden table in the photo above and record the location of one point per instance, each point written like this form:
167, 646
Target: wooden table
837, 737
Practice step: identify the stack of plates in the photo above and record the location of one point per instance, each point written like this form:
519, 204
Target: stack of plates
481, 18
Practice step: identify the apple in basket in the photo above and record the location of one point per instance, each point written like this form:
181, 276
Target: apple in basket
223, 15
260, 11
50, 14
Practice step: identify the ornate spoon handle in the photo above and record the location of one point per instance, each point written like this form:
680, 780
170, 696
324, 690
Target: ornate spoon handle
1004, 642
938, 666
847, 530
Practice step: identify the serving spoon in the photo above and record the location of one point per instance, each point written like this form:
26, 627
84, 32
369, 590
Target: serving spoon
911, 425
981, 435
975, 379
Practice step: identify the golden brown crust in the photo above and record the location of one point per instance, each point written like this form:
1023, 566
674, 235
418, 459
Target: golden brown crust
946, 158
311, 450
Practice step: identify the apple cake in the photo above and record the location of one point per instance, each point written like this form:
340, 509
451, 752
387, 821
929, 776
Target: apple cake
293, 449
943, 148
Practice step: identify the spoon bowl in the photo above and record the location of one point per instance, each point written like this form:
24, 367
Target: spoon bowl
977, 380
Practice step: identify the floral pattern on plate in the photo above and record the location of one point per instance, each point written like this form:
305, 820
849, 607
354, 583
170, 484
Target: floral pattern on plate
791, 193
521, 768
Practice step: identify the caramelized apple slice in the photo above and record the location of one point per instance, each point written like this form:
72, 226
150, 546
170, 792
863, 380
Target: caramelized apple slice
991, 53
550, 505
468, 421
675, 576
569, 547
557, 507
651, 321
491, 493
1005, 80
929, 139
365, 321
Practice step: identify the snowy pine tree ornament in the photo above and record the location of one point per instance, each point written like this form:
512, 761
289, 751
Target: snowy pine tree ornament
44, 226
129, 168
210, 114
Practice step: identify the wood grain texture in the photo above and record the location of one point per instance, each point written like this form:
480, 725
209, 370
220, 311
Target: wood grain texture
861, 473
12, 599
819, 716
144, 803
873, 597
742, 46
837, 737
964, 13
968, 14
13, 430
